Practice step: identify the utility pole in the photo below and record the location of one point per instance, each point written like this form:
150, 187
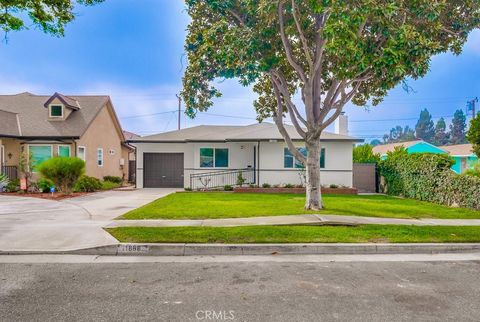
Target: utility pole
179, 108
471, 106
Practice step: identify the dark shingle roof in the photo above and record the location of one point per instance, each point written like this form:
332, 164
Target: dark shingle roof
33, 116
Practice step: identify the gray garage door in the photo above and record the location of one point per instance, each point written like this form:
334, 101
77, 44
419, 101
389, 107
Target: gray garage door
163, 170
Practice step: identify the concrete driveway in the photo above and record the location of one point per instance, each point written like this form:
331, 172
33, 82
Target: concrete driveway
38, 224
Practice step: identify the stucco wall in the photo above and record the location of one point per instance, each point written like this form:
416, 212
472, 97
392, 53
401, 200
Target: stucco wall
102, 133
11, 146
338, 162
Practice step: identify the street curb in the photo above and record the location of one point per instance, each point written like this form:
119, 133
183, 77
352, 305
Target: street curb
125, 249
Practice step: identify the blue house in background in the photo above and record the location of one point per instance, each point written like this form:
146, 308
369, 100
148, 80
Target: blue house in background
462, 153
418, 146
464, 157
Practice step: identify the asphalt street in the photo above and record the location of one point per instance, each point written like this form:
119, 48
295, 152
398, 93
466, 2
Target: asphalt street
249, 290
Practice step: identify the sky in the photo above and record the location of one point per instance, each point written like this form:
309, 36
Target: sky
133, 51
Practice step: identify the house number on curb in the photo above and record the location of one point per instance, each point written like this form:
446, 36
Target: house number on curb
133, 248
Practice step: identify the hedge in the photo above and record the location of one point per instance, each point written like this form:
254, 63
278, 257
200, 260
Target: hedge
428, 177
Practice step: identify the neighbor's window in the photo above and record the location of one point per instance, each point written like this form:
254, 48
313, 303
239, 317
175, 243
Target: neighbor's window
289, 161
82, 153
56, 110
64, 150
39, 154
100, 157
210, 158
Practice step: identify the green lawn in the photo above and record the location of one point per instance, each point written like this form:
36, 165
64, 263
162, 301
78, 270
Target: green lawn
236, 205
299, 234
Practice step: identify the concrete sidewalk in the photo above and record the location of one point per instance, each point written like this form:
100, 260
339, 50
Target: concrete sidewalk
313, 220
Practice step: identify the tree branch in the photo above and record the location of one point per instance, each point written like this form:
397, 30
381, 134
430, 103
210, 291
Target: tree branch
293, 117
288, 46
278, 118
302, 36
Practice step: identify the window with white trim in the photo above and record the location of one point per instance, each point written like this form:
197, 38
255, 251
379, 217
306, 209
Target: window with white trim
100, 157
289, 160
56, 111
82, 153
64, 151
213, 158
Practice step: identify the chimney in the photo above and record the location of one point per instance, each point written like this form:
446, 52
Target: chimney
341, 124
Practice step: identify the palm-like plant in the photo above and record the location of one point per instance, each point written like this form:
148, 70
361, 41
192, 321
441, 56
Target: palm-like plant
3, 181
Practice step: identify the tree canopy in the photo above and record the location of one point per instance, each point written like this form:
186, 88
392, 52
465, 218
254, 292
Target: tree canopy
364, 154
473, 134
50, 16
425, 128
458, 128
329, 52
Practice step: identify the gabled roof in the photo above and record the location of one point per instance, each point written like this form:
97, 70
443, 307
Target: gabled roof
385, 148
459, 149
130, 135
67, 101
222, 133
33, 117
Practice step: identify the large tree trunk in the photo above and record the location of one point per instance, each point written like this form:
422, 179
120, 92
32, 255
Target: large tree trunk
314, 194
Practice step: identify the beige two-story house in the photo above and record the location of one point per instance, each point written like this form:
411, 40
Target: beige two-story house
60, 125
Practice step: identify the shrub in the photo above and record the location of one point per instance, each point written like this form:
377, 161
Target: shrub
253, 186
240, 179
44, 185
475, 171
364, 154
333, 186
13, 185
188, 189
87, 184
113, 179
428, 177
228, 188
289, 185
63, 171
109, 185
3, 181
266, 185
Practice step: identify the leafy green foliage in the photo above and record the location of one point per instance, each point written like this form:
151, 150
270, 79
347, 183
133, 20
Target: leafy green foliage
473, 135
87, 184
458, 127
441, 135
50, 16
3, 180
387, 40
108, 185
364, 154
428, 177
475, 171
113, 179
44, 185
13, 185
424, 129
63, 171
240, 179
228, 188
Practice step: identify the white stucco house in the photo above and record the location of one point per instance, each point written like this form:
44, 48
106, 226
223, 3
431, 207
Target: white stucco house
210, 156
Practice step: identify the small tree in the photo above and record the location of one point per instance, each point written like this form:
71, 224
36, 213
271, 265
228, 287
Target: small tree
473, 134
441, 135
63, 171
458, 127
26, 165
425, 129
364, 154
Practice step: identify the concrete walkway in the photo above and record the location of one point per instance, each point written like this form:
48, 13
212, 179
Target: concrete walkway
37, 224
314, 220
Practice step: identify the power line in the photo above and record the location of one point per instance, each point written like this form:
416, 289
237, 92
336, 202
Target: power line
144, 115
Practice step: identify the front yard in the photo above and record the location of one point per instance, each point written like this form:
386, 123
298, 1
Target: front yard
233, 205
299, 234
